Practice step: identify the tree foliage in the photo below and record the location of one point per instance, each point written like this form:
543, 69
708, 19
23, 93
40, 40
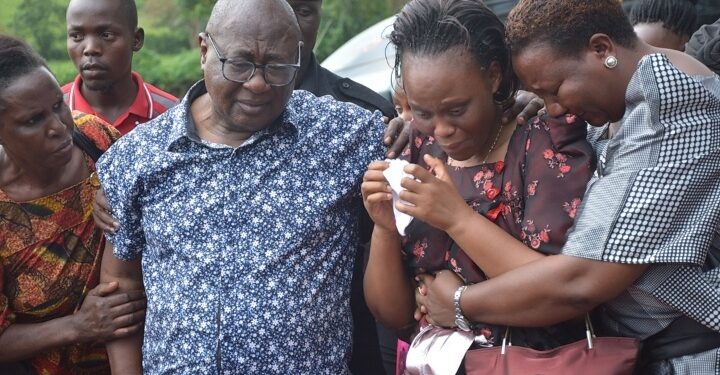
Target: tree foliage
42, 24
343, 19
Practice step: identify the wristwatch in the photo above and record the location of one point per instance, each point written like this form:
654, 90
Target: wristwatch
460, 320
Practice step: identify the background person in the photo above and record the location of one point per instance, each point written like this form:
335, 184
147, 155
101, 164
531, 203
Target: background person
645, 235
53, 314
102, 36
399, 99
664, 23
704, 45
366, 354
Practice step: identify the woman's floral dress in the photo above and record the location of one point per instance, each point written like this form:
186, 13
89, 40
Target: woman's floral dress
533, 194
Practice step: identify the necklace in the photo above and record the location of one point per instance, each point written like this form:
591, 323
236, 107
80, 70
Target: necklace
456, 163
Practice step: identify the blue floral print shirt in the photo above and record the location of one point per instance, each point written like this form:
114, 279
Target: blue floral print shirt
247, 252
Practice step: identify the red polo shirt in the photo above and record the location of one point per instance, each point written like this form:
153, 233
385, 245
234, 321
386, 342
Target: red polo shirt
149, 103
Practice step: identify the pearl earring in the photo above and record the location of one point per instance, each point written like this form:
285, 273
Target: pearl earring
611, 62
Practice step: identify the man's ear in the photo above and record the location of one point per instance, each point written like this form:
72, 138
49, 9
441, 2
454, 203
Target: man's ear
139, 39
203, 49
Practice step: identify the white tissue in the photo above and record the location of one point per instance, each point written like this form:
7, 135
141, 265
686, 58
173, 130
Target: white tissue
394, 174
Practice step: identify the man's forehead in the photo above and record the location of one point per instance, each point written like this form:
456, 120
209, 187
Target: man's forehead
251, 48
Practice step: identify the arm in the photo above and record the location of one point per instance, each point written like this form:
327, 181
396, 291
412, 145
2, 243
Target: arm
102, 316
20, 341
549, 291
125, 354
388, 290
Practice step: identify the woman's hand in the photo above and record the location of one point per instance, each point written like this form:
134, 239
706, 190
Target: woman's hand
432, 199
102, 213
434, 298
377, 196
105, 316
525, 106
397, 136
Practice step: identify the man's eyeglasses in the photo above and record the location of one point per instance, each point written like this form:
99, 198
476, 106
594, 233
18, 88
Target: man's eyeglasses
241, 71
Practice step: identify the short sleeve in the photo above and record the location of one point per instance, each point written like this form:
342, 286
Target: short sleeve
549, 163
122, 183
656, 196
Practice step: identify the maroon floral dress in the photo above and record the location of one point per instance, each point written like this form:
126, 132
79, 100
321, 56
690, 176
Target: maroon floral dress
533, 195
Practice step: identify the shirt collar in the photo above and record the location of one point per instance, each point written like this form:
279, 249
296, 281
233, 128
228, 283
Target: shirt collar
143, 102
187, 129
141, 107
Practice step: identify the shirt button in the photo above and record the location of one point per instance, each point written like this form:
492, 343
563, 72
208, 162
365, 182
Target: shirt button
346, 85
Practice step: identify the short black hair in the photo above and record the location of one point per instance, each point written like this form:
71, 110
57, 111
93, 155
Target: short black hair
567, 25
17, 58
131, 11
129, 8
678, 16
432, 27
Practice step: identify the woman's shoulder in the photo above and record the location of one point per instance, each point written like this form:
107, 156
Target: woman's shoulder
558, 132
95, 128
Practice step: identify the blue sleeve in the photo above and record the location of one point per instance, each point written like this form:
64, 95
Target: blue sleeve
120, 178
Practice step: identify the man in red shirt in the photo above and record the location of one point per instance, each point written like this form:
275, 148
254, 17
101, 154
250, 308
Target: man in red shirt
102, 36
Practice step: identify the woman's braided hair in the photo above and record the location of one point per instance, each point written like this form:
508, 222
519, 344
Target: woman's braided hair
432, 27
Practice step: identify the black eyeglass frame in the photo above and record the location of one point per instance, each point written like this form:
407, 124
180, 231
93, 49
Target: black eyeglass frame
223, 60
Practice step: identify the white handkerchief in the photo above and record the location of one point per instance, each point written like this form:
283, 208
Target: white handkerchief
393, 174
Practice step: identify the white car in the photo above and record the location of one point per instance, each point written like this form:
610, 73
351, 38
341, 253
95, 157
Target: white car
367, 58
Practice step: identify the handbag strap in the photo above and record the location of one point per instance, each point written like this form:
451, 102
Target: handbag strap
589, 335
85, 144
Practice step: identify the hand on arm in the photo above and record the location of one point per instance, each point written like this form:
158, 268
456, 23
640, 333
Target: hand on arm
388, 290
102, 213
105, 314
124, 353
549, 291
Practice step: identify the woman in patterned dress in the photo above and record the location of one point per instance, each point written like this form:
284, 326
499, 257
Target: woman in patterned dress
645, 240
527, 180
53, 314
